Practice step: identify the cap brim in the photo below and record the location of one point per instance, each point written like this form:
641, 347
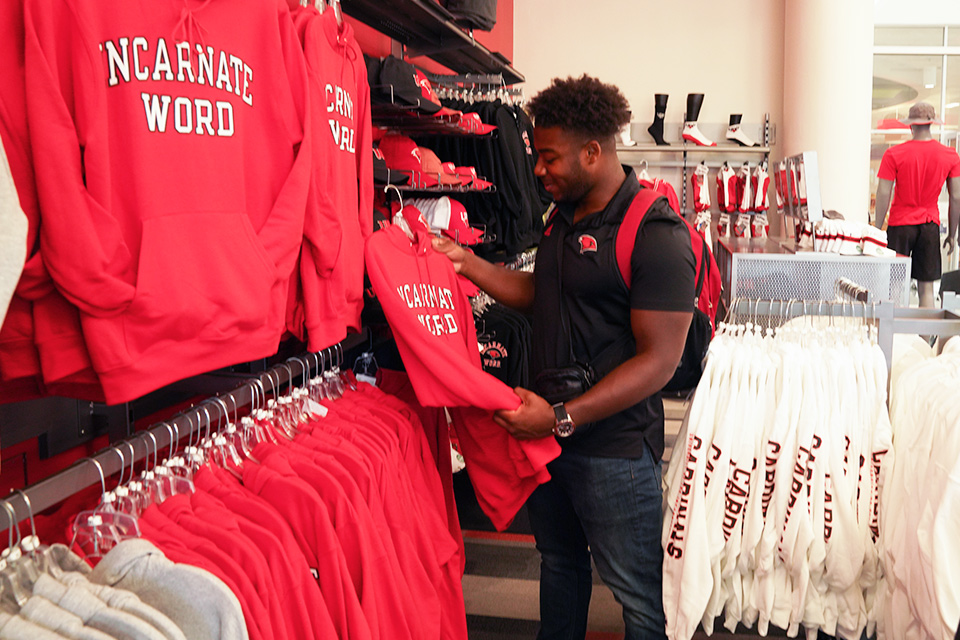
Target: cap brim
450, 179
481, 184
469, 236
388, 176
909, 121
446, 111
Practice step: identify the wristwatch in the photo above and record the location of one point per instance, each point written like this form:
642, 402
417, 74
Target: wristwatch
564, 425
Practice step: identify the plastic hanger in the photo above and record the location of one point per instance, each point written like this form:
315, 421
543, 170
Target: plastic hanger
230, 457
335, 5
97, 531
12, 590
644, 175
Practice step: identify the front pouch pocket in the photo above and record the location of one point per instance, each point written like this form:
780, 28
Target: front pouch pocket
201, 276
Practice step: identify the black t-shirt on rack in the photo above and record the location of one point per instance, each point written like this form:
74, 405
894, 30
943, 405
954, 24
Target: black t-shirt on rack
598, 305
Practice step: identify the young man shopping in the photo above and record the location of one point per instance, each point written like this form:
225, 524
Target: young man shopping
604, 497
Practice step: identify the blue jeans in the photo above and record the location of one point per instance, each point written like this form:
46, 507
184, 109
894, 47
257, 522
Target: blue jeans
610, 507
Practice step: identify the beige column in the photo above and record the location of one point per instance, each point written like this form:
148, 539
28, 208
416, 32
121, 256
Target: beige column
827, 93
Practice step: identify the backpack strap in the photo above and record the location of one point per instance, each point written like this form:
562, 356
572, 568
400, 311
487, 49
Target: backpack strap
627, 237
627, 233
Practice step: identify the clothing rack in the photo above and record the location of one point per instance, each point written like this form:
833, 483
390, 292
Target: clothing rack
452, 80
523, 262
889, 318
87, 471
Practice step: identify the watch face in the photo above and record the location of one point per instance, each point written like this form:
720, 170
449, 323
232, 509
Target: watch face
564, 428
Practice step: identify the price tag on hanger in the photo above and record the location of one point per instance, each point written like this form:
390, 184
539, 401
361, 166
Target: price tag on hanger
316, 409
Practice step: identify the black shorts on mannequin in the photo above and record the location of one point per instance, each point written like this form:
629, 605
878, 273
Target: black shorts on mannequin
922, 243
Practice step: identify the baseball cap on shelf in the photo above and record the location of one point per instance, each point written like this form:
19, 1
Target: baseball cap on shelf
451, 169
403, 154
431, 95
382, 173
433, 166
459, 228
921, 113
471, 122
469, 175
406, 85
449, 217
414, 219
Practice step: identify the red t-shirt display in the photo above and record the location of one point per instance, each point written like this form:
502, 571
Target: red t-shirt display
919, 168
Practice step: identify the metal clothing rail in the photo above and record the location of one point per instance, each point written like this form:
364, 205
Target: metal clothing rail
847, 288
86, 472
890, 319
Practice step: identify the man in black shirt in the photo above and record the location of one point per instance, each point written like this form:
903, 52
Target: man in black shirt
604, 497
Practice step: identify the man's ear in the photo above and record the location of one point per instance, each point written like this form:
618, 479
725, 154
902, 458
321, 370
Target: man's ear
592, 149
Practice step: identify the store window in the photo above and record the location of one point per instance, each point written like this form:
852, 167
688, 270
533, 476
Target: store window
911, 64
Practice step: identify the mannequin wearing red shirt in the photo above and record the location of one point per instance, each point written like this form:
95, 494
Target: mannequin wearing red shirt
920, 167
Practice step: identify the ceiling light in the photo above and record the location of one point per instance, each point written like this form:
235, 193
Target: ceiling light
952, 105
929, 77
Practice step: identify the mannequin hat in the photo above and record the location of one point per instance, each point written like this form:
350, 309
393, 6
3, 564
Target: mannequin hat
921, 113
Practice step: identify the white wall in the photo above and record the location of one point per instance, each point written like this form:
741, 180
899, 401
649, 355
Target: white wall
731, 51
900, 13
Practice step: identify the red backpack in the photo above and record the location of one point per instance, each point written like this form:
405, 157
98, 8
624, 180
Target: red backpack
707, 295
708, 288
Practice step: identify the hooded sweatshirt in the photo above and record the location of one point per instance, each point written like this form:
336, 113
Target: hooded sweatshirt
433, 324
340, 206
169, 177
201, 605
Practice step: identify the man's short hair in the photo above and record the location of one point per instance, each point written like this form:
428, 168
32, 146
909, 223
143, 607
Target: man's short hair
584, 105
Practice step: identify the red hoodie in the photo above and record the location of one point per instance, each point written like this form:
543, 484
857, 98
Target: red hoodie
433, 324
340, 209
170, 183
41, 332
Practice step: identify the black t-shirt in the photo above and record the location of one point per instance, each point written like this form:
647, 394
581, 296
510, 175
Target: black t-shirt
598, 305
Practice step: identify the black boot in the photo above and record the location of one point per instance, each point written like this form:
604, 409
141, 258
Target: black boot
691, 132
660, 111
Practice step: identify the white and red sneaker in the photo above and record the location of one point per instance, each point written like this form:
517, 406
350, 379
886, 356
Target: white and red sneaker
691, 133
735, 133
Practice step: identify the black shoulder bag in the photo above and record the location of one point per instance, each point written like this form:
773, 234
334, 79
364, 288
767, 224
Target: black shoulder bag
562, 384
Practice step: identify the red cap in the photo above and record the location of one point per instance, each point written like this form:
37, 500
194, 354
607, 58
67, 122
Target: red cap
459, 228
471, 122
414, 219
402, 154
470, 175
452, 169
433, 166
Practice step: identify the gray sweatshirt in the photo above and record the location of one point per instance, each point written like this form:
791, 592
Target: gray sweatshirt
71, 570
94, 612
13, 236
41, 611
200, 604
16, 628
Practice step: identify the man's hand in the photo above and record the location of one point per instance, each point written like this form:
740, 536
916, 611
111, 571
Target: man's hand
950, 244
452, 250
533, 419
